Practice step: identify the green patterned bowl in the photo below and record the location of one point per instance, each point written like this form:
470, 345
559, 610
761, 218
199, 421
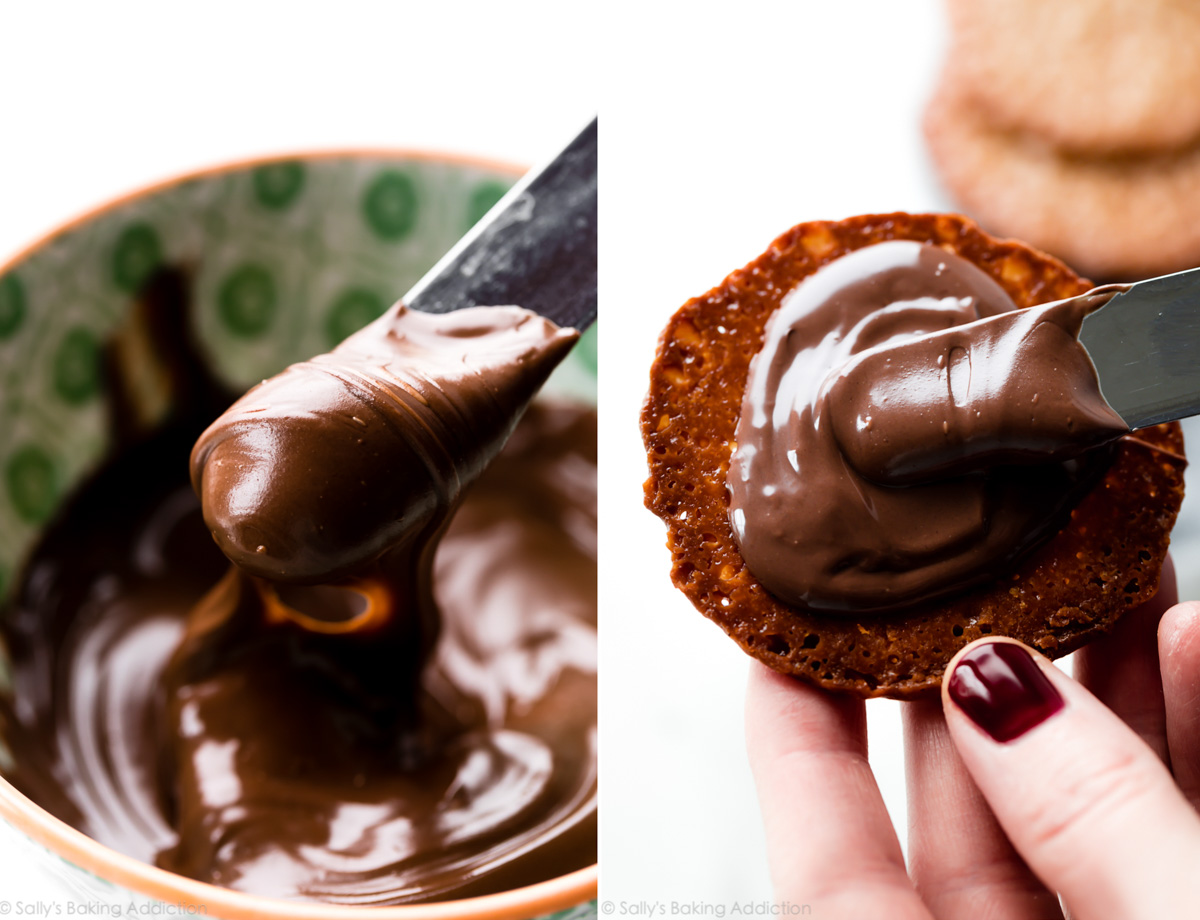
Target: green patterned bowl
290, 256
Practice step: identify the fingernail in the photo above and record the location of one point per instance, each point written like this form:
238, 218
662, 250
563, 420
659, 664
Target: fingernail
1001, 688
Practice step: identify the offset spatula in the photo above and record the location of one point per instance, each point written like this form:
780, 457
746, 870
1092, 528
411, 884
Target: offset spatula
535, 249
1145, 344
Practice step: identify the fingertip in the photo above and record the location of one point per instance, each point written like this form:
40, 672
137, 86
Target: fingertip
784, 713
766, 691
1179, 626
1179, 664
760, 687
772, 691
1001, 686
762, 679
970, 650
1179, 646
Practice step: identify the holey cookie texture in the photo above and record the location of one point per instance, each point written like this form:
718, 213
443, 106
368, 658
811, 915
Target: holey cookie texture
1102, 557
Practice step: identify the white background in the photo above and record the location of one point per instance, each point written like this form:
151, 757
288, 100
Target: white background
98, 99
719, 131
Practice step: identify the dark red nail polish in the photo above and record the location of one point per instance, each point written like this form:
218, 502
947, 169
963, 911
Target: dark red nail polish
1002, 689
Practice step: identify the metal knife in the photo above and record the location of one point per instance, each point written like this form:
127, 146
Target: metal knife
535, 249
1145, 345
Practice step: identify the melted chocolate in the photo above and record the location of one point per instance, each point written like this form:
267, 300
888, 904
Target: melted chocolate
281, 764
1018, 388
314, 741
871, 376
318, 471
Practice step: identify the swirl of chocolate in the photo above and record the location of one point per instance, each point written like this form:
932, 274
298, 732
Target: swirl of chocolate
315, 473
1018, 388
891, 449
371, 766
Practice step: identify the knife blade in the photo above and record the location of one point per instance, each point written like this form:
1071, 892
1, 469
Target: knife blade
1145, 345
535, 249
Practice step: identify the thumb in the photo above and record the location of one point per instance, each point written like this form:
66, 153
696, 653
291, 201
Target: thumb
1087, 804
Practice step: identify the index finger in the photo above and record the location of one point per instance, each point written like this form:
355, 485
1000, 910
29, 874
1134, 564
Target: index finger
829, 838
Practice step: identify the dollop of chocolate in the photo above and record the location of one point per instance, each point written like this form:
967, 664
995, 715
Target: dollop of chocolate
893, 449
318, 471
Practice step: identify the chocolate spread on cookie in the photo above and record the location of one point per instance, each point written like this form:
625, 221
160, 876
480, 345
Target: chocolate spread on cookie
1018, 388
895, 445
308, 740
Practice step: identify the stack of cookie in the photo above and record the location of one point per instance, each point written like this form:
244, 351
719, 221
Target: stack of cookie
1075, 125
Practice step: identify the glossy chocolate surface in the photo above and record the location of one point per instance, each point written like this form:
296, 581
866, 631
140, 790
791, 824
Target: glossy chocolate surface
1018, 388
318, 471
422, 729
892, 449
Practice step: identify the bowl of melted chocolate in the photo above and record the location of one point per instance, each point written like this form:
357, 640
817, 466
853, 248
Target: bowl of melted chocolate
286, 635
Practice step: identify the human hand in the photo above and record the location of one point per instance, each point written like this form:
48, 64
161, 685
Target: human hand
1095, 799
